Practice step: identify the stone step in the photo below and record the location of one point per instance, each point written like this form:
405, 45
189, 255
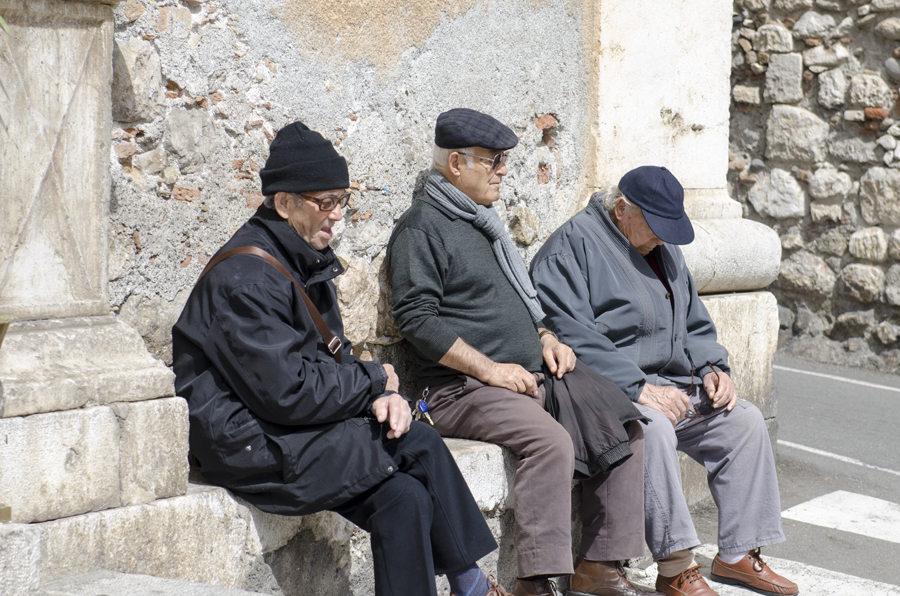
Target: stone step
108, 583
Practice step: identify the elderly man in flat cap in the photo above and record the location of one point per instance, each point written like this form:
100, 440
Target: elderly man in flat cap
615, 287
489, 370
282, 412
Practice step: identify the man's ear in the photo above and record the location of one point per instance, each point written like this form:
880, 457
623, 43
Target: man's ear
282, 202
620, 208
453, 163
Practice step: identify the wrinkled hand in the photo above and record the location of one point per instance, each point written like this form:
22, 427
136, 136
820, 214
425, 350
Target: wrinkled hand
393, 381
512, 377
559, 357
395, 410
723, 394
668, 400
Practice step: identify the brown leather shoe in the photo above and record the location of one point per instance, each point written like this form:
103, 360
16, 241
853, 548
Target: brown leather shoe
603, 578
687, 583
541, 587
751, 572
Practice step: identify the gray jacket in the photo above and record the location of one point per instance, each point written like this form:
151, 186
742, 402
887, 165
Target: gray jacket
603, 299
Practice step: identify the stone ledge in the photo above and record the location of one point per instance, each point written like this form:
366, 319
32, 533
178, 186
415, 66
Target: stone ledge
720, 264
63, 364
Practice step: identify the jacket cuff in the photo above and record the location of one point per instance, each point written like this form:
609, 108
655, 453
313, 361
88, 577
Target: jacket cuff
706, 369
377, 376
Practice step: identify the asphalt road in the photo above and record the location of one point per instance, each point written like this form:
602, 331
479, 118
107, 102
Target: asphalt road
838, 430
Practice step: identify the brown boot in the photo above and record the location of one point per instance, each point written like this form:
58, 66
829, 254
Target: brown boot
538, 587
603, 578
687, 583
753, 573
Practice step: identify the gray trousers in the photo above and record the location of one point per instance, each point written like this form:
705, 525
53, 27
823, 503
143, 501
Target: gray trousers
735, 450
611, 516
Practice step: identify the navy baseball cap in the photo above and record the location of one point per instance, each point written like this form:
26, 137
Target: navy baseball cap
462, 127
661, 199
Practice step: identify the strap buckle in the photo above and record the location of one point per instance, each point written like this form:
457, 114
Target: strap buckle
334, 345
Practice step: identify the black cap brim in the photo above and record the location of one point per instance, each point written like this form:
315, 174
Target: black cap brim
673, 231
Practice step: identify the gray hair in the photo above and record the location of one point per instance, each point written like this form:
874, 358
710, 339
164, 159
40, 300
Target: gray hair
440, 155
269, 200
611, 196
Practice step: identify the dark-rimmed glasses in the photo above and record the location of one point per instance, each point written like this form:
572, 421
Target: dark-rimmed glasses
496, 161
328, 203
702, 408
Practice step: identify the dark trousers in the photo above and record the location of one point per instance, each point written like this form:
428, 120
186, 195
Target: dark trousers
423, 520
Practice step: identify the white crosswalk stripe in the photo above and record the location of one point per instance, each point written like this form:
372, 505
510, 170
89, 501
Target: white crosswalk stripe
850, 512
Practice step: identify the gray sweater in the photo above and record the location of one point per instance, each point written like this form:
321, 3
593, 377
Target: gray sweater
446, 285
603, 299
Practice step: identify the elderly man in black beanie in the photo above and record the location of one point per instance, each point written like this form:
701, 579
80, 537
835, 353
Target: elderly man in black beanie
615, 286
489, 370
282, 412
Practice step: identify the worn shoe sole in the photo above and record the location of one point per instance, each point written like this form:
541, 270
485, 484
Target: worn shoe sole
736, 582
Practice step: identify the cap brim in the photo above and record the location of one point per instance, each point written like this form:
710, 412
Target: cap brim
673, 231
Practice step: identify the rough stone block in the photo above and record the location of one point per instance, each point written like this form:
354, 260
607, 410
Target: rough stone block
795, 134
20, 559
869, 244
192, 138
784, 79
745, 94
778, 195
892, 285
153, 449
773, 37
832, 88
820, 213
828, 184
889, 28
871, 91
821, 58
489, 471
807, 273
59, 464
852, 149
879, 196
62, 364
108, 582
813, 24
137, 86
863, 282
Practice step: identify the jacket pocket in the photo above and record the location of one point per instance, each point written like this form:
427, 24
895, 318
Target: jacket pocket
246, 450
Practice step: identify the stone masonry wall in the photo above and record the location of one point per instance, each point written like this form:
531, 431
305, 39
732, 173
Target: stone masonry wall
814, 153
201, 87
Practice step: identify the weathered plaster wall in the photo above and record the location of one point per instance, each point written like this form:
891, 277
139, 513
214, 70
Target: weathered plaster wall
813, 153
201, 87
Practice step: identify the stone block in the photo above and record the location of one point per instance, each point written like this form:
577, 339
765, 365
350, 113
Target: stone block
870, 91
879, 196
869, 244
863, 282
192, 138
59, 464
719, 265
745, 94
793, 5
20, 559
832, 88
778, 194
153, 449
894, 245
807, 272
56, 113
889, 28
885, 5
137, 86
773, 37
489, 471
108, 582
828, 184
784, 79
819, 213
795, 134
821, 58
813, 25
747, 325
54, 365
892, 285
853, 149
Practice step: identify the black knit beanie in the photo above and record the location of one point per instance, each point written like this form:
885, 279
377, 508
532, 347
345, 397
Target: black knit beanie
302, 160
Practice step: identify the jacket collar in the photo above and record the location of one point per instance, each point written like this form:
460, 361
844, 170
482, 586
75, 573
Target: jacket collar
596, 209
312, 265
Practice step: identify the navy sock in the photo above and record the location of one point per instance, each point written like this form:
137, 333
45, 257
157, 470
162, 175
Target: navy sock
469, 582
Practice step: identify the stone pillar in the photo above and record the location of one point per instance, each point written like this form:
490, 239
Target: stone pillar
661, 80
87, 421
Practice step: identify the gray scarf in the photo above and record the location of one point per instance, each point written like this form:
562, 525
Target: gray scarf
486, 219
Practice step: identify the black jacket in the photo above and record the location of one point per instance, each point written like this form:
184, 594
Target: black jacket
273, 417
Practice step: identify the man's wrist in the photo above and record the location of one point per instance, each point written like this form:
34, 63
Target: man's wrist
544, 333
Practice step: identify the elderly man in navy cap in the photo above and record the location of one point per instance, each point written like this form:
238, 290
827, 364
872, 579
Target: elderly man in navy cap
616, 288
282, 412
488, 369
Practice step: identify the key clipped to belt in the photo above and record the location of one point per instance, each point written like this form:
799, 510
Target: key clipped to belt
421, 410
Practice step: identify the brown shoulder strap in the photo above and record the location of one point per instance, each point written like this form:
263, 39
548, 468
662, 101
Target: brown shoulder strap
332, 341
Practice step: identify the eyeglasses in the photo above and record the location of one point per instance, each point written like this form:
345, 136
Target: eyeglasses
496, 161
702, 408
328, 203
